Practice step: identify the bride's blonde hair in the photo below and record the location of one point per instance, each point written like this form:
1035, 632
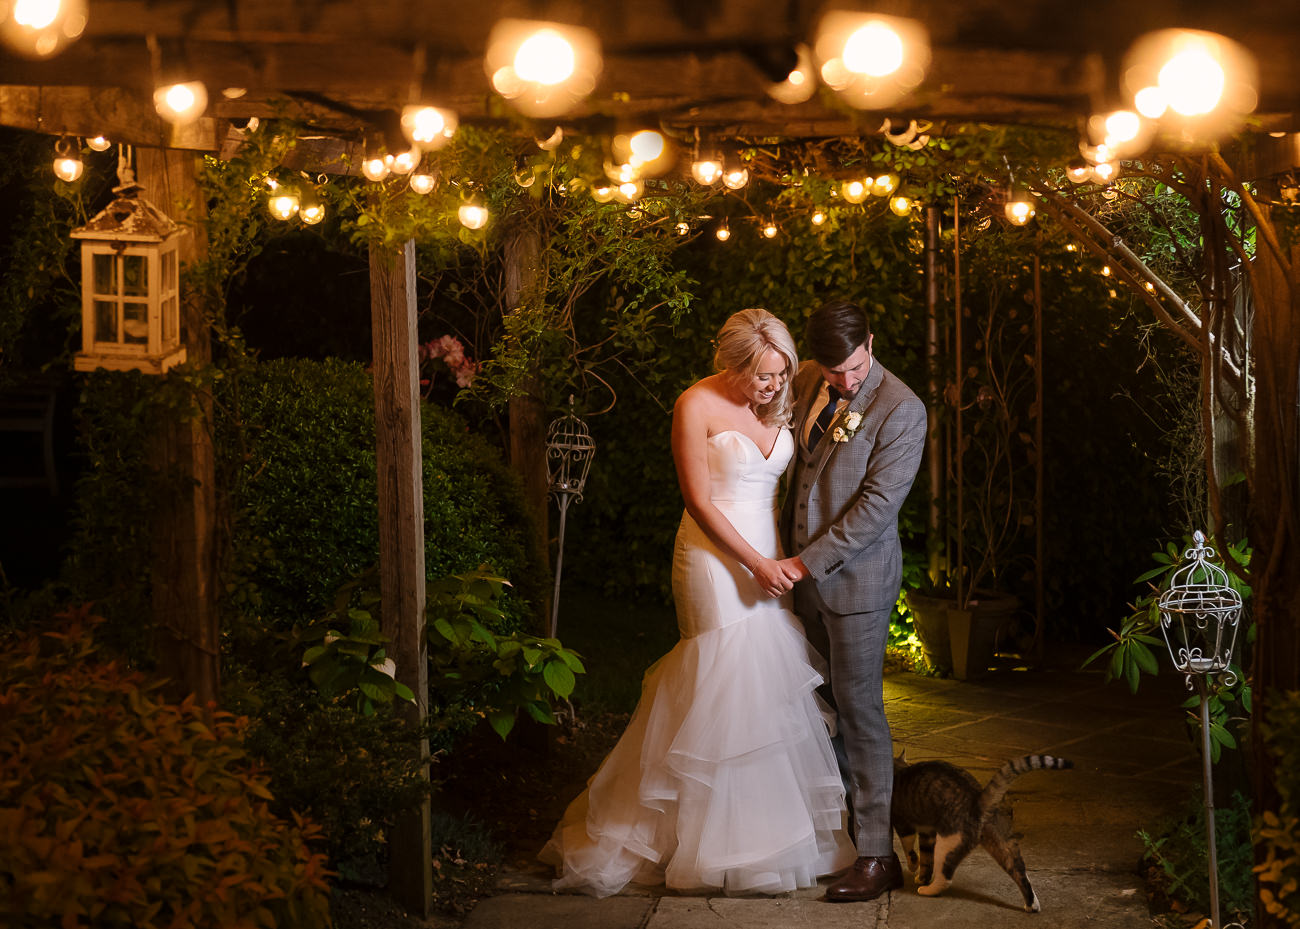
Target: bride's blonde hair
742, 340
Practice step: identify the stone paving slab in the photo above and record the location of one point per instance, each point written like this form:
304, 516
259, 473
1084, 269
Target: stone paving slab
560, 911
776, 913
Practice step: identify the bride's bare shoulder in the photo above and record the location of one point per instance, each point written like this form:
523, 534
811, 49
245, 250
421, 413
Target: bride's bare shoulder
704, 393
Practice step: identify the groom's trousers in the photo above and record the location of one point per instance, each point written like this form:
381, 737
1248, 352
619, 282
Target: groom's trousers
854, 647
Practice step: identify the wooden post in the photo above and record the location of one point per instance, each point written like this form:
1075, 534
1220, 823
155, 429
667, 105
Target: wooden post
184, 552
527, 410
401, 536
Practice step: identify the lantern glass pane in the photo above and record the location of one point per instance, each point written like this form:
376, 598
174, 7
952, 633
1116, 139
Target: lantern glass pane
135, 323
169, 318
168, 272
105, 280
105, 321
135, 276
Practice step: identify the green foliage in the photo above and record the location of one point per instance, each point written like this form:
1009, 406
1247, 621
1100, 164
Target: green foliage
122, 810
500, 675
352, 664
1136, 646
299, 444
1179, 854
1278, 871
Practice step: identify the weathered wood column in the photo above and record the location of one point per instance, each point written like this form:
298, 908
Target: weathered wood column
401, 535
184, 570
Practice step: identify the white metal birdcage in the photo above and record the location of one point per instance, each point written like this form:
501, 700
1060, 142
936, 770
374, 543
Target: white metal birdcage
1199, 613
569, 450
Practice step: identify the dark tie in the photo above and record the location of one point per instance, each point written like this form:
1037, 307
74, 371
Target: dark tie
824, 418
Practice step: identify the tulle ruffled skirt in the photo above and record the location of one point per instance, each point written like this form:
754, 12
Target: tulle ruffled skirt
724, 779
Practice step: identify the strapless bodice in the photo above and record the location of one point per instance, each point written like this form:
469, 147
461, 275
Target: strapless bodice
740, 474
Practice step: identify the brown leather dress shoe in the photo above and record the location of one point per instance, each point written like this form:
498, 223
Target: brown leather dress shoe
867, 880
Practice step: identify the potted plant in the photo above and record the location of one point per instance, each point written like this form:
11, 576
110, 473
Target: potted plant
964, 603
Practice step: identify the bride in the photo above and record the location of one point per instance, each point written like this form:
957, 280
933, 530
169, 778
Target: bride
725, 778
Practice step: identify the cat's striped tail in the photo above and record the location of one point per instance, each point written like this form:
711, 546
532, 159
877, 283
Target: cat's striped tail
997, 787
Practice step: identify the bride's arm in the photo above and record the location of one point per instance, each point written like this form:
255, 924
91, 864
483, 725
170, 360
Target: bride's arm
691, 457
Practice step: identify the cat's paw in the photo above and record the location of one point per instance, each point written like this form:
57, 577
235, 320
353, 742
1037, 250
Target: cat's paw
933, 889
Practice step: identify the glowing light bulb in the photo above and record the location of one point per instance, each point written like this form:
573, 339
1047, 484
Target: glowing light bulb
683, 228
545, 57
375, 168
1105, 270
854, 191
629, 192
1151, 102
647, 145
900, 205
707, 172
885, 185
1122, 126
736, 178
1104, 172
1192, 81
98, 143
723, 233
311, 215
1079, 172
283, 206
68, 168
472, 215
769, 230
602, 193
405, 162
818, 217
428, 126
1071, 247
624, 173
1150, 287
1019, 211
423, 183
181, 103
36, 14
875, 50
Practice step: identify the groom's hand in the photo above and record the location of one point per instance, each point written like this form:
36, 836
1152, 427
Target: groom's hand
794, 569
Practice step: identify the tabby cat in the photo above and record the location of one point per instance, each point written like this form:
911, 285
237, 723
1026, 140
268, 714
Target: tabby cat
946, 807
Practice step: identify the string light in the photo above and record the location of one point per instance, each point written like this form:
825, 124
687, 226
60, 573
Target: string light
311, 215
375, 168
800, 84
885, 184
98, 143
39, 28
855, 191
818, 217
429, 127
683, 228
735, 178
1105, 270
1019, 211
723, 232
181, 104
707, 172
67, 161
472, 215
284, 206
602, 193
871, 60
543, 68
423, 183
769, 230
405, 162
901, 205
629, 192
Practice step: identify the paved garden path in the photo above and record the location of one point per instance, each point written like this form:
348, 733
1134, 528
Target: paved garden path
1134, 762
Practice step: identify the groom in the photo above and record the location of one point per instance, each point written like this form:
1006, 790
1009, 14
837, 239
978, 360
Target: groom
860, 432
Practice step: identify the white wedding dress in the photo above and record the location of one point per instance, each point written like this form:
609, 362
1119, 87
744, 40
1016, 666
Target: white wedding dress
725, 778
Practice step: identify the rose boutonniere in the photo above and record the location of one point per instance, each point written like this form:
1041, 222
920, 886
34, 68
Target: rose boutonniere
847, 426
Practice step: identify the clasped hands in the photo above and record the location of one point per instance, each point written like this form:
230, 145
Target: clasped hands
778, 577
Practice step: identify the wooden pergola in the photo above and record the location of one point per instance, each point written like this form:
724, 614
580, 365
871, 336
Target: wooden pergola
345, 70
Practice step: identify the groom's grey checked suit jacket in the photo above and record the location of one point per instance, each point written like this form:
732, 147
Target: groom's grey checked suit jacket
842, 500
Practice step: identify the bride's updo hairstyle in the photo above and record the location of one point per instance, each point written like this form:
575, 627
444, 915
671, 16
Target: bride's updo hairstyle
742, 340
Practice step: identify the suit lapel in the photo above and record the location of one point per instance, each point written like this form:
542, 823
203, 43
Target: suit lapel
821, 455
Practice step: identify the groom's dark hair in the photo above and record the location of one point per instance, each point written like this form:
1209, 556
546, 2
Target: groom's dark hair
835, 330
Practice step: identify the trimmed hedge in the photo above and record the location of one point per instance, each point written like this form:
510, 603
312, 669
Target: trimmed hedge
117, 809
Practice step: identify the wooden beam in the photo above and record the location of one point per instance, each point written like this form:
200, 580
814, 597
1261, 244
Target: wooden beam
401, 536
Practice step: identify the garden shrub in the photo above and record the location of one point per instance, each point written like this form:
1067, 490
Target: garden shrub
300, 448
121, 810
1178, 857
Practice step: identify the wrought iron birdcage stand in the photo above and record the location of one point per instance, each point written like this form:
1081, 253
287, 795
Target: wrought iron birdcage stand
569, 450
1199, 613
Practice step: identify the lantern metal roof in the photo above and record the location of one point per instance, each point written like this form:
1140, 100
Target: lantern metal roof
129, 218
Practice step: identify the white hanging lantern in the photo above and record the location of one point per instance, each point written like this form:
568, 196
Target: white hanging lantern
130, 287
